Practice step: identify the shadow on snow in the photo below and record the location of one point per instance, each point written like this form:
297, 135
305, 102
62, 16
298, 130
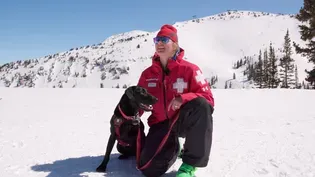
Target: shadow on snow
87, 164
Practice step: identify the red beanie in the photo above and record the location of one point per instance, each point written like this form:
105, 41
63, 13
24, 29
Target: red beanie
168, 31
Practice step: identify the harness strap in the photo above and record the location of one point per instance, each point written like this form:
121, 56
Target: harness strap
127, 117
119, 121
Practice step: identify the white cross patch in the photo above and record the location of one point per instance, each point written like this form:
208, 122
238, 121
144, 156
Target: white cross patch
180, 85
200, 78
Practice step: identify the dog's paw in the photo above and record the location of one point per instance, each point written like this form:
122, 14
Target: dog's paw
101, 168
122, 157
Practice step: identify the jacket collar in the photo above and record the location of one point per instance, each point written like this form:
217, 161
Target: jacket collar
172, 62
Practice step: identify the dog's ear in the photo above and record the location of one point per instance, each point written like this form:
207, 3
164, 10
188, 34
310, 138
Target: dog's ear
129, 92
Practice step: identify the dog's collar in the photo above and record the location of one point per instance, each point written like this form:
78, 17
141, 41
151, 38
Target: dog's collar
128, 117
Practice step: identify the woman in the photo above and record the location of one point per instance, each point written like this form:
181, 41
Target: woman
184, 109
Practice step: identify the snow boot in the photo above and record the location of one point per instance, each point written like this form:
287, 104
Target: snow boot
186, 170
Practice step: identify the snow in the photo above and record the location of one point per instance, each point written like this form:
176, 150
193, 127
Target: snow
213, 42
63, 132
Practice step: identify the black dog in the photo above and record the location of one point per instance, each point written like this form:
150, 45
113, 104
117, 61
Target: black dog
125, 122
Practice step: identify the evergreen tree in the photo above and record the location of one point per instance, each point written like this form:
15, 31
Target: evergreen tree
297, 84
307, 31
250, 71
307, 86
213, 80
287, 65
259, 71
265, 73
273, 69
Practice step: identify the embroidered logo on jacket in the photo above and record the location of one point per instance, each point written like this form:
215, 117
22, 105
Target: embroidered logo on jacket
200, 78
180, 85
152, 79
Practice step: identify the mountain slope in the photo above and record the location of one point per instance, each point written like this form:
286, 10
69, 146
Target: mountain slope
215, 43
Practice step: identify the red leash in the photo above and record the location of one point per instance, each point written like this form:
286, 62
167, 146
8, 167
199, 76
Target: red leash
159, 148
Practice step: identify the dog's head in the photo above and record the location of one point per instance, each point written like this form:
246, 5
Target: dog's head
140, 97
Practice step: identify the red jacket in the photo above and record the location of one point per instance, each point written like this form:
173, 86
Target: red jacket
183, 79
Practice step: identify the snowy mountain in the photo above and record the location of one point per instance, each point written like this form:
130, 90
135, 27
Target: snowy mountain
214, 42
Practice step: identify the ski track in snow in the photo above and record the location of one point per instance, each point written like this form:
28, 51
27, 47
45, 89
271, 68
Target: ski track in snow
63, 132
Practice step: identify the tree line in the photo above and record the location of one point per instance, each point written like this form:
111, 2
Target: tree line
271, 71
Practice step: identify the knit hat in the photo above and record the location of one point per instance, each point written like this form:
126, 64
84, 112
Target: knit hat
168, 31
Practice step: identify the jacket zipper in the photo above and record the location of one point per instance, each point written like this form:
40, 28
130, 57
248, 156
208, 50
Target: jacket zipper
164, 95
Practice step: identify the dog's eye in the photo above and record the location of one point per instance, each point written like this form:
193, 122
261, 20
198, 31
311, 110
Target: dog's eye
144, 92
141, 90
138, 89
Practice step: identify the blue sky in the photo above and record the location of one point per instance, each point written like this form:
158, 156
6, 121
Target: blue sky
35, 28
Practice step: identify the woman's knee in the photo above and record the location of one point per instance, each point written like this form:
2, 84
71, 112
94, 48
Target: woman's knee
198, 104
203, 103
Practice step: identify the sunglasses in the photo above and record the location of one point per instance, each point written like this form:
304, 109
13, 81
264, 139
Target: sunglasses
163, 39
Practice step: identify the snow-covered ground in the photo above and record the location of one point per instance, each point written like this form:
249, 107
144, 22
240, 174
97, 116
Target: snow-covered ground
63, 132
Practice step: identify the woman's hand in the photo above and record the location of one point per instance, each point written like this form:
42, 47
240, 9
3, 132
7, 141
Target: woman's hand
175, 103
